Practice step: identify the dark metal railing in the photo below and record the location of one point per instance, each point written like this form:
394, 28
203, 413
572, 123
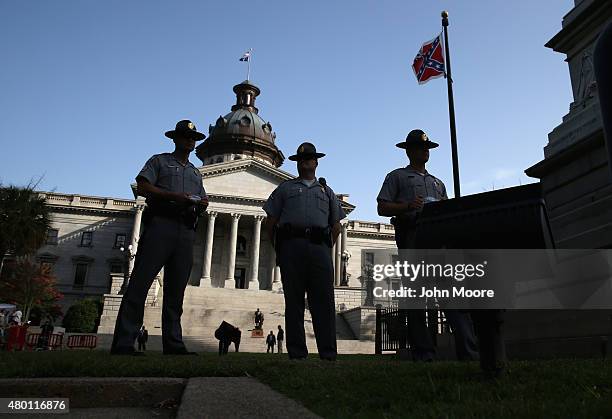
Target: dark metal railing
392, 328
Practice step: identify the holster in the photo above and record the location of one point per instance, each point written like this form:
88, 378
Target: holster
188, 215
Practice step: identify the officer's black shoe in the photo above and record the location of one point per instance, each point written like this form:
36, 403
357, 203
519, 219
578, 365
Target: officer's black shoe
179, 352
128, 350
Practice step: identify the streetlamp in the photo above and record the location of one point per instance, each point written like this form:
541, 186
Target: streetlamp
129, 255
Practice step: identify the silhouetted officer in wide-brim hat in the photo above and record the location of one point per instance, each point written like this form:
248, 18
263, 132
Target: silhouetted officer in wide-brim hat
402, 196
304, 221
175, 199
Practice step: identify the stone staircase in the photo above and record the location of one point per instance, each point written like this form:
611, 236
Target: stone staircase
205, 308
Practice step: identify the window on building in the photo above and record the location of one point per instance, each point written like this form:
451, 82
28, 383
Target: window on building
241, 246
86, 238
80, 273
116, 268
120, 240
52, 234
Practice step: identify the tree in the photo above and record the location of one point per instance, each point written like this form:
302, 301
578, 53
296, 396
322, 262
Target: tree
24, 221
29, 285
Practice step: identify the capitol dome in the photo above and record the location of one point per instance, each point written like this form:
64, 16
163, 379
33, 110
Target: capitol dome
241, 133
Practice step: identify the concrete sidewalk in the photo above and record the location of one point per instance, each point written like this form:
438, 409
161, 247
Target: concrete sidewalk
133, 397
236, 397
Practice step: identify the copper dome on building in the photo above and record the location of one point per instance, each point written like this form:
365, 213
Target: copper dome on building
241, 133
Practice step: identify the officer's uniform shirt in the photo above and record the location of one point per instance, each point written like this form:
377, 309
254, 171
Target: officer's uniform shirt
166, 172
295, 203
405, 184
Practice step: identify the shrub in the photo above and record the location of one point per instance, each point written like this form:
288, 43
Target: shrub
81, 317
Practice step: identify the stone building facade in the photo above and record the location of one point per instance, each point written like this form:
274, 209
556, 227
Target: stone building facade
93, 238
84, 244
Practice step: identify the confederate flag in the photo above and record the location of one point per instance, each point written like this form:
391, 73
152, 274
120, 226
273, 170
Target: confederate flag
429, 62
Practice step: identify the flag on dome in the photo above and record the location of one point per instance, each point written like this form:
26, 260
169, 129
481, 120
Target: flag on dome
246, 56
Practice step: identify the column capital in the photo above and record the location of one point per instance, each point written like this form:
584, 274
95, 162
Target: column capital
259, 217
236, 215
212, 214
139, 207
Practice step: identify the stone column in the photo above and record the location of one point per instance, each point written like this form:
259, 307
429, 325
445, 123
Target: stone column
254, 282
205, 281
277, 284
230, 282
135, 235
333, 258
338, 261
272, 263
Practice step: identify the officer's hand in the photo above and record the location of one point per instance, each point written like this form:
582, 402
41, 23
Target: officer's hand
204, 202
179, 197
417, 204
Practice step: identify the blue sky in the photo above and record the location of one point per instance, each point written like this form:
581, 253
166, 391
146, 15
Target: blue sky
89, 87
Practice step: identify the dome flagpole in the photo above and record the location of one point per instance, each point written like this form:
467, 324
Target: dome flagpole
249, 64
247, 57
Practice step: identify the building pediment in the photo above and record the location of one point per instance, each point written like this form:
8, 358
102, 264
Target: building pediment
248, 181
244, 178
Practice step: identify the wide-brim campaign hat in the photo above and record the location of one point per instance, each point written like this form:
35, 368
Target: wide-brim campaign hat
306, 151
416, 137
185, 128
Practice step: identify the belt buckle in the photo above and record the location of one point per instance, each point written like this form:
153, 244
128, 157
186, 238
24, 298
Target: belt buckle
307, 232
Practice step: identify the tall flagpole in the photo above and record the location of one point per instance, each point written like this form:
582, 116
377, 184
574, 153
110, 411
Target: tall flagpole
451, 107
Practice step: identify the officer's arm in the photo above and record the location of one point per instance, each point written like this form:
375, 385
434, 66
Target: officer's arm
335, 231
146, 189
444, 194
388, 197
391, 209
270, 223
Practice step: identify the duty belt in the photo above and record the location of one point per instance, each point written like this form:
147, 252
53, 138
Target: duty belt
314, 234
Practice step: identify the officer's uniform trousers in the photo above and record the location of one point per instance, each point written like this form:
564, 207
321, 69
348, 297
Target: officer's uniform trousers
488, 325
466, 346
167, 243
307, 268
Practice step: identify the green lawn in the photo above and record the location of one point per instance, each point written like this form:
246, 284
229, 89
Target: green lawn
366, 386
